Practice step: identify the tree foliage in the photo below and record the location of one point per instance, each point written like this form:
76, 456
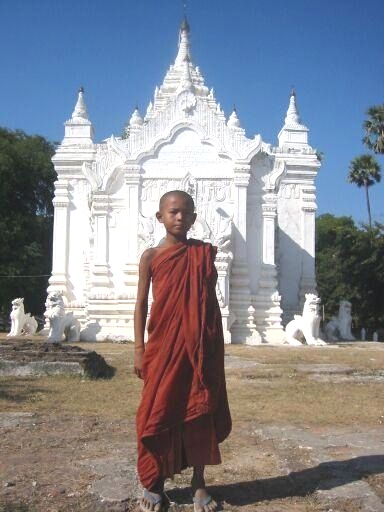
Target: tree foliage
26, 218
374, 129
364, 171
350, 265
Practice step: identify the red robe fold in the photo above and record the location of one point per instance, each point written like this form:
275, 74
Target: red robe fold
184, 412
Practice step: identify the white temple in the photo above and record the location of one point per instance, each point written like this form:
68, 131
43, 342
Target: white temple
255, 201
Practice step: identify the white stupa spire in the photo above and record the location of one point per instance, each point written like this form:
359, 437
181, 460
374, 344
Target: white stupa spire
181, 77
184, 47
80, 112
293, 134
78, 129
292, 116
233, 120
136, 120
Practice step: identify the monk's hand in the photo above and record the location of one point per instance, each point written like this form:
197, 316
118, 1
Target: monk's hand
138, 361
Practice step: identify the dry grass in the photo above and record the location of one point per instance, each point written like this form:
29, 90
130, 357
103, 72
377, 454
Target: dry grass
98, 416
356, 355
275, 392
115, 398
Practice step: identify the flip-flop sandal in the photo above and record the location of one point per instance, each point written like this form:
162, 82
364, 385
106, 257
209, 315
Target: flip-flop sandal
201, 502
154, 501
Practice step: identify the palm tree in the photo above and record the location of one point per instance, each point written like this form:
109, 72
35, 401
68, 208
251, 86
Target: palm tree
374, 129
364, 171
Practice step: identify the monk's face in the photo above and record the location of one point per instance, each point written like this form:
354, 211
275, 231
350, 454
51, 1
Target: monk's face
177, 215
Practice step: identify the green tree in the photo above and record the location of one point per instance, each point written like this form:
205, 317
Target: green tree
350, 265
364, 171
26, 217
374, 129
332, 233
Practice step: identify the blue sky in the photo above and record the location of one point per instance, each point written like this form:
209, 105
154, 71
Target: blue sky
251, 51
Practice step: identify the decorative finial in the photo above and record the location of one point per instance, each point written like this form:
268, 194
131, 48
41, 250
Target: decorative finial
233, 121
184, 24
80, 112
136, 120
183, 51
292, 116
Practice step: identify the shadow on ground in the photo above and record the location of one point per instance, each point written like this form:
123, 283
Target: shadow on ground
325, 476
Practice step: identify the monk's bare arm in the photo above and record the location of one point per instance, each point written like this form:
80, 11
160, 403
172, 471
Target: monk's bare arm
141, 308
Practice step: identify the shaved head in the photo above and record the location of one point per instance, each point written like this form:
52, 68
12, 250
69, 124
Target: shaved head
177, 193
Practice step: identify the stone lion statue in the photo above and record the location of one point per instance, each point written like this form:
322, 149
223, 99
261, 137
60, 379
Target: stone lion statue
339, 327
63, 326
21, 322
306, 326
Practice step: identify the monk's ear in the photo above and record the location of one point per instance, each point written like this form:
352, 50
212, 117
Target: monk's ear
159, 217
194, 217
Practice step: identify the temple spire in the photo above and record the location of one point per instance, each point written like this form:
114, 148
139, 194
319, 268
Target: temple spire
136, 120
294, 134
80, 112
78, 129
292, 116
183, 52
233, 120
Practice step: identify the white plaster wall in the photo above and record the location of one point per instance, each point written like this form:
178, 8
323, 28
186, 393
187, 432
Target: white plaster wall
187, 154
118, 243
289, 252
79, 241
260, 166
119, 231
254, 232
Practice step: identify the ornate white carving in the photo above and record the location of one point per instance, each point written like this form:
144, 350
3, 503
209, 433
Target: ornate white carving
186, 101
289, 191
339, 327
63, 326
220, 295
254, 337
189, 185
109, 156
21, 322
271, 179
307, 325
146, 233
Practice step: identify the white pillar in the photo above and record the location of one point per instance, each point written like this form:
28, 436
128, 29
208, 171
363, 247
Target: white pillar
240, 181
223, 267
100, 272
131, 270
240, 298
308, 211
267, 302
59, 278
269, 216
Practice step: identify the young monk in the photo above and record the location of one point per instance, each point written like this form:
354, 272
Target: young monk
184, 413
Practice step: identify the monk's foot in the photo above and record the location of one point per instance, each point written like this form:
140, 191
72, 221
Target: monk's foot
151, 502
202, 501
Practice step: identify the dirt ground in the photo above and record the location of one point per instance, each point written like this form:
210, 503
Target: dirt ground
308, 427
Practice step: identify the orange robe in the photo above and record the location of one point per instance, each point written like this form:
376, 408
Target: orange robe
184, 412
